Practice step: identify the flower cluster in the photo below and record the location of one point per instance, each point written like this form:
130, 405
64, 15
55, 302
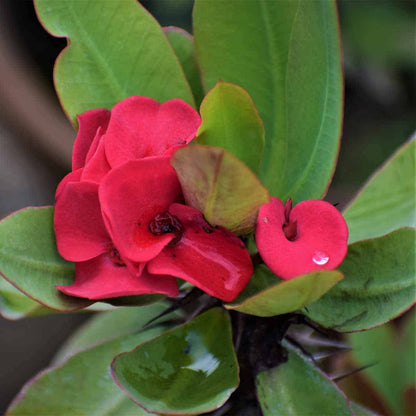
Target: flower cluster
120, 214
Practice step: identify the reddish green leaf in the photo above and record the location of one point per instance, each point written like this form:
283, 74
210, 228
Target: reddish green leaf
219, 185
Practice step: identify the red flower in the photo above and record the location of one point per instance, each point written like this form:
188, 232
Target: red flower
117, 213
311, 236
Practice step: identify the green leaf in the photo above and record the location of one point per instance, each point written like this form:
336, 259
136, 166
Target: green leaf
297, 387
361, 410
379, 284
108, 325
393, 356
230, 120
82, 385
183, 45
139, 300
387, 201
14, 304
30, 261
286, 54
219, 185
115, 49
267, 295
186, 370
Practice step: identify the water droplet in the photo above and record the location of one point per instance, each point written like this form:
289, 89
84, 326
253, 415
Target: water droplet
265, 219
320, 258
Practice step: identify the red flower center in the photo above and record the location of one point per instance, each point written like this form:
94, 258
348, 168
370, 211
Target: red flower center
289, 227
114, 255
167, 223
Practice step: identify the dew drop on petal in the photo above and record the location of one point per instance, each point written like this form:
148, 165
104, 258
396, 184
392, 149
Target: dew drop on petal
265, 219
320, 258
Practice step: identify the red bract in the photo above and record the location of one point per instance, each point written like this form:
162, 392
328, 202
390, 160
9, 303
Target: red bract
211, 258
116, 213
311, 236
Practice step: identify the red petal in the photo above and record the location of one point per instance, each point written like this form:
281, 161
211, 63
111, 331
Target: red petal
79, 227
320, 243
141, 127
74, 176
131, 196
89, 122
100, 278
213, 259
97, 166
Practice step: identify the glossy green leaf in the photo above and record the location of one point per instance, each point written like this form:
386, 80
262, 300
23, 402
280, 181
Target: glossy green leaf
393, 356
267, 295
387, 201
183, 45
184, 371
219, 185
83, 385
30, 261
230, 120
379, 284
108, 325
298, 388
286, 54
116, 49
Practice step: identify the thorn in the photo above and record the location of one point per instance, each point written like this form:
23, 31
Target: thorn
323, 342
193, 295
323, 355
301, 348
169, 322
350, 373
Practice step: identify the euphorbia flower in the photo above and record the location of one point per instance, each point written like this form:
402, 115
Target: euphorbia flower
311, 236
136, 200
136, 128
117, 214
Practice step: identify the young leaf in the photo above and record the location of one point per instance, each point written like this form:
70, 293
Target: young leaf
286, 54
183, 45
267, 295
393, 355
379, 284
184, 371
219, 185
231, 121
387, 201
29, 259
298, 388
116, 49
82, 385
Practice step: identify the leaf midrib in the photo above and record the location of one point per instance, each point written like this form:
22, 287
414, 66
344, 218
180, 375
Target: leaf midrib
118, 91
300, 180
38, 265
